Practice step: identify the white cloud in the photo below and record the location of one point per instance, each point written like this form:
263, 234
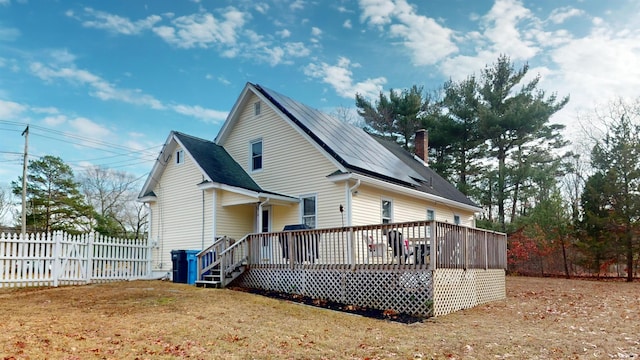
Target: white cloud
104, 90
203, 30
340, 77
101, 88
347, 24
427, 41
316, 31
62, 56
501, 33
10, 109
5, 2
208, 115
377, 12
502, 30
284, 33
114, 23
54, 121
559, 15
262, 8
297, 5
9, 34
85, 127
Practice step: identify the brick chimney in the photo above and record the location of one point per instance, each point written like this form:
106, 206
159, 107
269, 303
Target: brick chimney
422, 145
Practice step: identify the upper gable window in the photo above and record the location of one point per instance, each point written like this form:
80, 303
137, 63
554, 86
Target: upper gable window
256, 108
256, 155
387, 206
180, 156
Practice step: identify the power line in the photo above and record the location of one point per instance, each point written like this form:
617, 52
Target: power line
87, 142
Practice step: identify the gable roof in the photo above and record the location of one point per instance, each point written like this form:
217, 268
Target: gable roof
367, 154
352, 149
348, 144
216, 163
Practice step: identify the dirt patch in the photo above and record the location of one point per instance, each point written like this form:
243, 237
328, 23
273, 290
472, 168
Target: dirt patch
336, 306
540, 319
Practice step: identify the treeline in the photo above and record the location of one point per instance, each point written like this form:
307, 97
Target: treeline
566, 212
99, 199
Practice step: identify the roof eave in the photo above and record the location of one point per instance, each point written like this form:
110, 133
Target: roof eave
380, 184
259, 195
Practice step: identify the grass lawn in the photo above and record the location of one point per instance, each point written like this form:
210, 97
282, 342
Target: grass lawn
540, 319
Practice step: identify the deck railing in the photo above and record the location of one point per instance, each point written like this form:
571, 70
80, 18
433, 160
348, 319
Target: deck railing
422, 245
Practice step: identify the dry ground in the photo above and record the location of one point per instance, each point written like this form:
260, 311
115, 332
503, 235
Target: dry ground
540, 319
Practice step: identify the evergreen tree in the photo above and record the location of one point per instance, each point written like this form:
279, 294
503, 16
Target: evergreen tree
511, 118
53, 199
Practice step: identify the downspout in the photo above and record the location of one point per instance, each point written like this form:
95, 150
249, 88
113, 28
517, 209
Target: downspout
350, 201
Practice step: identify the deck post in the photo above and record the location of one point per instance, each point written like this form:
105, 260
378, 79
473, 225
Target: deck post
352, 245
486, 252
292, 253
434, 245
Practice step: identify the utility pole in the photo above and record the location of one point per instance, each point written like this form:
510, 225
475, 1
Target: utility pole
25, 133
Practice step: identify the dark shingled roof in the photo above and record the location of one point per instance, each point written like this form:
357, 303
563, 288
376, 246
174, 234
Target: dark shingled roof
216, 162
431, 181
362, 153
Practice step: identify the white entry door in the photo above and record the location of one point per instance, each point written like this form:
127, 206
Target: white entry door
266, 246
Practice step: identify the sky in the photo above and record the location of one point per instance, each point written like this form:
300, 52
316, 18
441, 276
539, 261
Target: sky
102, 83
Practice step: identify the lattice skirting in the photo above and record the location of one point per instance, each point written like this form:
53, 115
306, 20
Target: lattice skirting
405, 291
457, 289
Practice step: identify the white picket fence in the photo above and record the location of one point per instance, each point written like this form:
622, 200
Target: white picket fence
61, 259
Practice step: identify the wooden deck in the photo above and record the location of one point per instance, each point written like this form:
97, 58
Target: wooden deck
424, 268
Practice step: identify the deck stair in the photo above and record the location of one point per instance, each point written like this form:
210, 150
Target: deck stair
214, 279
222, 262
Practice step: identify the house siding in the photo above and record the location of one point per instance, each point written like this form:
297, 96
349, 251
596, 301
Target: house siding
367, 208
291, 165
177, 214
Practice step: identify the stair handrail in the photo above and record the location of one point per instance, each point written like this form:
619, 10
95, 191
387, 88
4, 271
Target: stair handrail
216, 244
228, 265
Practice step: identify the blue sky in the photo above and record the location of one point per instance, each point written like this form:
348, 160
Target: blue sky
103, 82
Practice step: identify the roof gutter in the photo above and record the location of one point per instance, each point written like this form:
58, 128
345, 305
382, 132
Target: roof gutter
402, 190
206, 185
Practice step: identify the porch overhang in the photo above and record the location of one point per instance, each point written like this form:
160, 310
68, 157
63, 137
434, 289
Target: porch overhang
249, 196
340, 177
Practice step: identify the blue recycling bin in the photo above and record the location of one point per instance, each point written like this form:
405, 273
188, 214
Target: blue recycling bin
185, 266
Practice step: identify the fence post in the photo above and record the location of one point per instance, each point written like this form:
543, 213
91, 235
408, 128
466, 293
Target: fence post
88, 271
291, 249
57, 249
149, 256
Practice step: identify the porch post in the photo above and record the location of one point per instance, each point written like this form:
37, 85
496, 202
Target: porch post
214, 205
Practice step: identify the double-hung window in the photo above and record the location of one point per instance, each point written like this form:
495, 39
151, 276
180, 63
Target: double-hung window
387, 214
256, 155
309, 211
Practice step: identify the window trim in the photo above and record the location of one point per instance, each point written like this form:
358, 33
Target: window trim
433, 212
459, 219
315, 209
390, 218
180, 157
251, 157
